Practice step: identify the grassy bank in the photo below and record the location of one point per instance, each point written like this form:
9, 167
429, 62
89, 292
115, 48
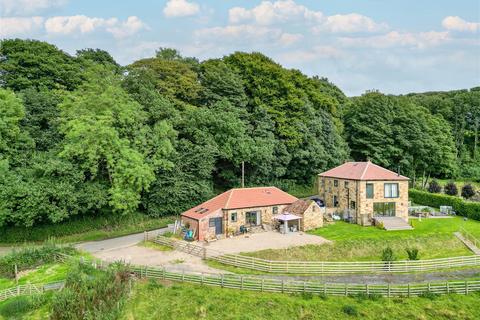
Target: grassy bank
84, 229
433, 237
184, 301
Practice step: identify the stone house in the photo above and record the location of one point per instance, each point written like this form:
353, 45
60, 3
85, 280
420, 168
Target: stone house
309, 211
363, 191
228, 212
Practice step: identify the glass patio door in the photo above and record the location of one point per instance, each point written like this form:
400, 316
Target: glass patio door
384, 209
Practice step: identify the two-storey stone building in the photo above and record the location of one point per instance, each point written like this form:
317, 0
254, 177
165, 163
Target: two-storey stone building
363, 191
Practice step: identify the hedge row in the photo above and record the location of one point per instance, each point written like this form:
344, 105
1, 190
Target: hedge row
461, 207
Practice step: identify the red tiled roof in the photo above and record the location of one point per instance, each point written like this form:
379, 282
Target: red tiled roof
241, 198
362, 171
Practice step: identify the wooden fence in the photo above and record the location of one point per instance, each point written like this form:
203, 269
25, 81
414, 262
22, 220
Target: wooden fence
294, 286
264, 284
29, 288
319, 267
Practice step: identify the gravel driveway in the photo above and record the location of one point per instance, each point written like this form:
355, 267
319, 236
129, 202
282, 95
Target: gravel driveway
262, 241
170, 260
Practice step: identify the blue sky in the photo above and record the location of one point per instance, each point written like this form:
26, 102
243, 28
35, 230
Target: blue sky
393, 46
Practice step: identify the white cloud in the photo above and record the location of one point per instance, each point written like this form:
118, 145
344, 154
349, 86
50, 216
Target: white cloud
180, 8
79, 23
243, 32
398, 39
65, 25
352, 22
127, 28
26, 7
18, 26
458, 24
288, 39
267, 13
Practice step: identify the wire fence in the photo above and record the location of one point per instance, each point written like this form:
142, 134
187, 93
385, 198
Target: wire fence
319, 267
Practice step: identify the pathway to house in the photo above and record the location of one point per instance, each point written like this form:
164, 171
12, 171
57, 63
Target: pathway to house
264, 240
116, 243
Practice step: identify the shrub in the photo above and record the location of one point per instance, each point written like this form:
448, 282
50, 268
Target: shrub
468, 191
465, 208
388, 255
350, 310
434, 187
451, 189
20, 305
31, 257
412, 253
97, 294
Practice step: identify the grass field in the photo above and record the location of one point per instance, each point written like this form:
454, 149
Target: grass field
433, 237
184, 301
84, 229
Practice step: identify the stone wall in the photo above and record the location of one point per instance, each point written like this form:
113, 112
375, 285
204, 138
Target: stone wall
346, 193
312, 217
356, 191
266, 214
401, 203
192, 225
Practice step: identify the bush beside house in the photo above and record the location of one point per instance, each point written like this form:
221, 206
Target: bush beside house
462, 207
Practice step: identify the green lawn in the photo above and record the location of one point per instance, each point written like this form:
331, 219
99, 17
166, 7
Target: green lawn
433, 237
155, 246
186, 301
83, 229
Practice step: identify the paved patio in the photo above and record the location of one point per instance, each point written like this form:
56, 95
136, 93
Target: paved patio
264, 240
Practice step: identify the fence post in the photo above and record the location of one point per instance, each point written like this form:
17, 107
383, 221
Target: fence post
221, 284
346, 289
146, 272
408, 290
201, 281
366, 289
263, 282
16, 274
466, 287
429, 287
447, 285
183, 275
388, 294
325, 288
241, 282
283, 285
304, 286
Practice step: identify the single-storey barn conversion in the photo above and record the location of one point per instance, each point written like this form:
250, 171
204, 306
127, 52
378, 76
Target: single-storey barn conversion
245, 208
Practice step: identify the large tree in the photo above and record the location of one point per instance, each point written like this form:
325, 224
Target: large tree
107, 136
31, 63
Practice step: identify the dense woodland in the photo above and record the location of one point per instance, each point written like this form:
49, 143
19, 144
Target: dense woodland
83, 135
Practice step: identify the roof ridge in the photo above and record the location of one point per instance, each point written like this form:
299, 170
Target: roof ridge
229, 197
365, 170
259, 187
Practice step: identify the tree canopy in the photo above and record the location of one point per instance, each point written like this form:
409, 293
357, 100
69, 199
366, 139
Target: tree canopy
82, 135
